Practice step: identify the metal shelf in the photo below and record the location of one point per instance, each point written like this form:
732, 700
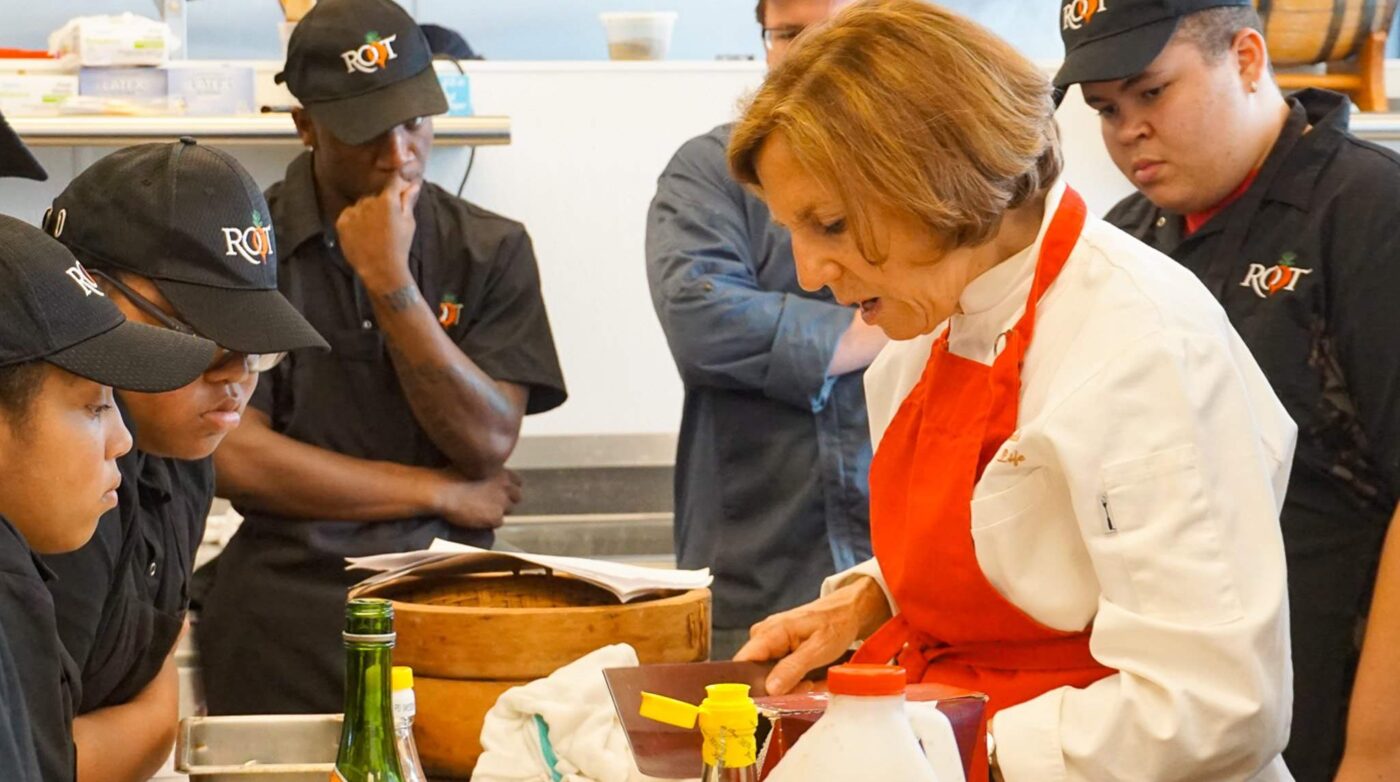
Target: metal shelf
265, 129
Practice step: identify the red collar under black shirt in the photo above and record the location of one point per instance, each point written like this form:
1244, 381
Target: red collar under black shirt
1195, 220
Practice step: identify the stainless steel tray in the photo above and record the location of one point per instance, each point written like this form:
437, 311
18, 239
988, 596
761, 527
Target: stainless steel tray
259, 748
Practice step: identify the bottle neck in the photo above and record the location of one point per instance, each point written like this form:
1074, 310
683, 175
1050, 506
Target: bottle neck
864, 707
367, 738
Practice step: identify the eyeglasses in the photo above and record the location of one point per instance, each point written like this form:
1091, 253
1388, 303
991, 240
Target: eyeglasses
774, 36
252, 362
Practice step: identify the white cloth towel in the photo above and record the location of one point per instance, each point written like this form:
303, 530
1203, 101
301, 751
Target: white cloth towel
582, 727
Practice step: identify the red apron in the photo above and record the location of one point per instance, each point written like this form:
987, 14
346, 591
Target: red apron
955, 628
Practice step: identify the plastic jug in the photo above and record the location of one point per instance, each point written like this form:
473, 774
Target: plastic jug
866, 733
728, 720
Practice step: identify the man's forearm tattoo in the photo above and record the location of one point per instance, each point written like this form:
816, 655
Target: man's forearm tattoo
402, 299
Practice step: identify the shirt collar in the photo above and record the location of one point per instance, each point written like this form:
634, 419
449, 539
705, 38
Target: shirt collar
14, 549
300, 219
1317, 123
998, 283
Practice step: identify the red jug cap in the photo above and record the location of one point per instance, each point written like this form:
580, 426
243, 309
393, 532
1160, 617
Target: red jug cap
868, 680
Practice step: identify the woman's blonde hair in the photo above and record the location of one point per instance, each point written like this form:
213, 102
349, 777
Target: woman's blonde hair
910, 106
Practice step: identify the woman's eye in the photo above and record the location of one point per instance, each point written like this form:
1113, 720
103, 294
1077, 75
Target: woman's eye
1107, 112
1153, 93
834, 228
99, 410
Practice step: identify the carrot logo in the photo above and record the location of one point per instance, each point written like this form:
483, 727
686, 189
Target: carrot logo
1077, 13
371, 56
449, 311
1282, 276
252, 243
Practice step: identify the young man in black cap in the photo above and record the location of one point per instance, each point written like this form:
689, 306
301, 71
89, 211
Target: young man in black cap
63, 345
1290, 220
440, 344
179, 236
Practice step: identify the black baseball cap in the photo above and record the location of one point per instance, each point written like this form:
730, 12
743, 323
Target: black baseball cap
1106, 40
360, 67
15, 157
51, 310
189, 218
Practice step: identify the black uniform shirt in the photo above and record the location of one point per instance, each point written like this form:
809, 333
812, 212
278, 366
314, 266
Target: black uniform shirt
1307, 265
121, 599
46, 675
476, 268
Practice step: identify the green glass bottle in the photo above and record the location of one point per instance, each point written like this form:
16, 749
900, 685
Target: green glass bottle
367, 749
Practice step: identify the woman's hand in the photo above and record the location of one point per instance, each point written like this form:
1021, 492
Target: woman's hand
815, 634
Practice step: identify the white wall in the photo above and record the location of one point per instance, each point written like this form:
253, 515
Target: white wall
589, 142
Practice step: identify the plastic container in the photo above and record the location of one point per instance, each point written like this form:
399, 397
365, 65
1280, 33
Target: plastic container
405, 707
643, 35
865, 733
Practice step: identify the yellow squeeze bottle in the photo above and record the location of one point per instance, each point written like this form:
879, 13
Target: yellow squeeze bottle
728, 720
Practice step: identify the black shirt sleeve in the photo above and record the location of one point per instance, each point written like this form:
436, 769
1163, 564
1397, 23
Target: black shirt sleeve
1364, 288
508, 334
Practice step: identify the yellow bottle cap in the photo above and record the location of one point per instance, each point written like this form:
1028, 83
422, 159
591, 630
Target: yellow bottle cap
728, 719
669, 710
402, 678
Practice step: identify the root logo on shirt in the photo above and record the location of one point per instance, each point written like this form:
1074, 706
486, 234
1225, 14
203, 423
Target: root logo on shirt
372, 56
1282, 276
252, 244
449, 311
1077, 13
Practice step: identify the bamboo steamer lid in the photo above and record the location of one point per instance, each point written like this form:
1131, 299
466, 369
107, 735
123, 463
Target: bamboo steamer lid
1304, 32
525, 627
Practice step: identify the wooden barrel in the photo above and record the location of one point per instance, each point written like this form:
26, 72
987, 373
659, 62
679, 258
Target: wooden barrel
1303, 32
470, 638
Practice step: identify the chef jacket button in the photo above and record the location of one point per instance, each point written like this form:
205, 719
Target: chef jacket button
151, 571
1161, 221
367, 325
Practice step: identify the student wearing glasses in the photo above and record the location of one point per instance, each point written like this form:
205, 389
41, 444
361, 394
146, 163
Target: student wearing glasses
178, 236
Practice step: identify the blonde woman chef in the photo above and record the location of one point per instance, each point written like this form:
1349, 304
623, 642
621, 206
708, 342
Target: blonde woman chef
1079, 466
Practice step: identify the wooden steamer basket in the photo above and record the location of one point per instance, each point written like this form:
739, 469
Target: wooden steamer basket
1348, 35
469, 637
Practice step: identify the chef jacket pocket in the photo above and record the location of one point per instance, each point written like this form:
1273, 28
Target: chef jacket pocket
1159, 524
1010, 504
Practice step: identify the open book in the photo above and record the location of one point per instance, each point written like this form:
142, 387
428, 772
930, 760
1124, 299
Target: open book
628, 582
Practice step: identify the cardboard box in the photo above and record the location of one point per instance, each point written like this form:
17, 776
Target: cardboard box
791, 715
110, 41
29, 94
212, 90
192, 88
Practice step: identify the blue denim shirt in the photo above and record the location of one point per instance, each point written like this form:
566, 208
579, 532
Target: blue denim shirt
772, 464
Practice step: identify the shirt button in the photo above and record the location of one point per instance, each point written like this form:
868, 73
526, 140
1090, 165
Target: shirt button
367, 325
151, 571
1161, 221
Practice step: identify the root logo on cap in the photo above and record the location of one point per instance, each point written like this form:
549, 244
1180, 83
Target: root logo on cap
252, 244
78, 274
374, 55
1078, 13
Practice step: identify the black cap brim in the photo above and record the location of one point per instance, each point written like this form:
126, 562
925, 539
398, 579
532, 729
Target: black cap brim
246, 321
361, 118
137, 357
15, 158
1118, 56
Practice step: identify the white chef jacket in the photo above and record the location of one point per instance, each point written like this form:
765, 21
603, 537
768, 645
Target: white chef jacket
1139, 497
